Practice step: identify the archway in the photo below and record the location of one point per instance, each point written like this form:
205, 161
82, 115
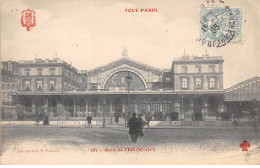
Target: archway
118, 81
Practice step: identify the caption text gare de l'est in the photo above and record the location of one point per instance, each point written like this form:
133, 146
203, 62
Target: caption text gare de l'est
135, 10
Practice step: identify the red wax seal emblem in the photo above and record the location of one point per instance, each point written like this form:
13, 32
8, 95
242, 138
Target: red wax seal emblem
244, 145
28, 19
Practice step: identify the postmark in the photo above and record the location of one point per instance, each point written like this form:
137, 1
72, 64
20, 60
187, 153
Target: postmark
220, 26
28, 19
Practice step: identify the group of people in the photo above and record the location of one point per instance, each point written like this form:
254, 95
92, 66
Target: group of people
135, 127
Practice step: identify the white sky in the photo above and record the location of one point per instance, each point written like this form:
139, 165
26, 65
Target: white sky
92, 33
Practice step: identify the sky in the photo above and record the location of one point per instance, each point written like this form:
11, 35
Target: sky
91, 33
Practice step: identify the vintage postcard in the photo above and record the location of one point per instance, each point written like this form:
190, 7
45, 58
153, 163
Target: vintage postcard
130, 82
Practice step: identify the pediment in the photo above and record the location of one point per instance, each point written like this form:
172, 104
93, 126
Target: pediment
128, 62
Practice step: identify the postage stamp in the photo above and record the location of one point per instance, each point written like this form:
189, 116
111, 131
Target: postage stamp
221, 25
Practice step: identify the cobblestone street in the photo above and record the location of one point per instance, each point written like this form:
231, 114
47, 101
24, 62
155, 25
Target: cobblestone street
82, 145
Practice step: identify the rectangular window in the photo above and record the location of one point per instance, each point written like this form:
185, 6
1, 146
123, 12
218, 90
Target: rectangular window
39, 85
198, 83
27, 72
3, 87
52, 71
198, 69
212, 83
184, 69
168, 80
211, 68
39, 71
184, 83
27, 85
52, 85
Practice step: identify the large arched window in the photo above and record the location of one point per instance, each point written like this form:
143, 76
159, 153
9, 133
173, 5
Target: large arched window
118, 80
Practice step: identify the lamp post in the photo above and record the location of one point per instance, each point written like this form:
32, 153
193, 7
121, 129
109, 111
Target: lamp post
128, 80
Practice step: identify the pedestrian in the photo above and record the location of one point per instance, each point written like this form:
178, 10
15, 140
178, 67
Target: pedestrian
140, 124
89, 119
133, 128
37, 120
148, 119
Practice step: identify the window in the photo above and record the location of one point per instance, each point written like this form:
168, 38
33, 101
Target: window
52, 71
198, 83
198, 69
168, 80
13, 86
39, 85
155, 106
39, 71
27, 72
211, 83
3, 87
52, 85
211, 68
7, 87
184, 83
27, 85
184, 69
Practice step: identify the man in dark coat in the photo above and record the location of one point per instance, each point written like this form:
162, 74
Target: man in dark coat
89, 119
140, 124
133, 128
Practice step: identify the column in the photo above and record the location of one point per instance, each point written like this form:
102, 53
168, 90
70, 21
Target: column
99, 111
33, 107
74, 108
86, 107
123, 108
205, 108
111, 110
46, 111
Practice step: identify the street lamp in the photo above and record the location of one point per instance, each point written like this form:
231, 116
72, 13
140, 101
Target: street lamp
128, 80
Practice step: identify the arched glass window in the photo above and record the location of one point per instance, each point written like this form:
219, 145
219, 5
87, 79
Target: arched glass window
155, 106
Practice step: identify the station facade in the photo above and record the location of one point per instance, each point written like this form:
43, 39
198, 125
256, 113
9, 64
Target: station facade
55, 88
